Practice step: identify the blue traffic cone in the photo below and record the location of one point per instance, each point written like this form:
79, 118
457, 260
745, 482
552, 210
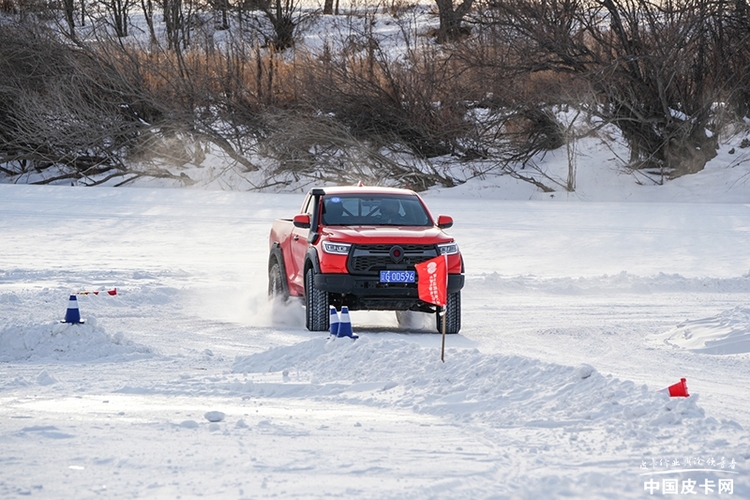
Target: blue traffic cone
72, 315
334, 322
345, 326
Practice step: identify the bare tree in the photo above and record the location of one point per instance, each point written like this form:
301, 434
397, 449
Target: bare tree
148, 12
119, 12
69, 12
283, 16
175, 24
221, 9
451, 18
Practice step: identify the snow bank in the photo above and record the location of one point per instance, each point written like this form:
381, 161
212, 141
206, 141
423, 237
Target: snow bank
492, 389
726, 333
623, 282
64, 341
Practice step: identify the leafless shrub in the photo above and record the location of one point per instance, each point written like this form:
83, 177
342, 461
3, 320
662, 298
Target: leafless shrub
280, 22
92, 109
414, 100
321, 149
648, 64
64, 113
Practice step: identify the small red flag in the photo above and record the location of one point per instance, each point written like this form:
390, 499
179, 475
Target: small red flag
109, 292
432, 280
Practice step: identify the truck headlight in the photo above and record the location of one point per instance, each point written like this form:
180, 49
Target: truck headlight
336, 248
448, 248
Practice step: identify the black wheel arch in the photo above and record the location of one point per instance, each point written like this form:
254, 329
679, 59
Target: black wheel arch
311, 260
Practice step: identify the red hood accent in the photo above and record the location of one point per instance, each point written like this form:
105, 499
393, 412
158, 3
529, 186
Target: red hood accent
392, 235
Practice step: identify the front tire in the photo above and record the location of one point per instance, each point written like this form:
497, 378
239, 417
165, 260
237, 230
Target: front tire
317, 315
452, 315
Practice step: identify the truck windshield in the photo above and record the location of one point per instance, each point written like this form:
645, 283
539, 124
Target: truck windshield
368, 210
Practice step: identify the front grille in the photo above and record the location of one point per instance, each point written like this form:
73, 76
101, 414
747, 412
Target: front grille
371, 259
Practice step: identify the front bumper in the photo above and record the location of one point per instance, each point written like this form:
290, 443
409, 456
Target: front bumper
367, 293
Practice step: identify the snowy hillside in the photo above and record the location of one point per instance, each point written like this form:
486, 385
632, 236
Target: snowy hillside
187, 383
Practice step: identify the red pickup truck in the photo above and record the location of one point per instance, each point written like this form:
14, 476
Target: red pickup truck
357, 247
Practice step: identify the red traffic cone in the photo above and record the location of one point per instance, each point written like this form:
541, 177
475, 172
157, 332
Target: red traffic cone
72, 315
678, 390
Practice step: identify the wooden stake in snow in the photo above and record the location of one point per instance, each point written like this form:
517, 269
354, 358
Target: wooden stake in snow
432, 286
442, 350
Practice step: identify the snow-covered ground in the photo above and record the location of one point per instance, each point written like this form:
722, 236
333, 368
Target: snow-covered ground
186, 383
578, 309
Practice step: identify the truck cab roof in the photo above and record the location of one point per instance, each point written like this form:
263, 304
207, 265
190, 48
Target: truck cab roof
343, 190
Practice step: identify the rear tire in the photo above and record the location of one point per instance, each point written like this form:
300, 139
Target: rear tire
452, 315
317, 315
275, 282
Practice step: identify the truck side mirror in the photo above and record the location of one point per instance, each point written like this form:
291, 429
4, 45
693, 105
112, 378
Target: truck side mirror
444, 221
302, 221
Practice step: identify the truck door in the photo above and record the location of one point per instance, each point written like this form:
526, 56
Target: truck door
298, 247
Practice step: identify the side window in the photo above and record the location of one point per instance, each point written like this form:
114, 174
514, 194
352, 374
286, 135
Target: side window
307, 205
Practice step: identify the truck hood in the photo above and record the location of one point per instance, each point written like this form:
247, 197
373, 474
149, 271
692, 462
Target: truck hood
374, 235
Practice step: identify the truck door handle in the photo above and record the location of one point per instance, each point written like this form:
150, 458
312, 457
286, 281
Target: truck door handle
296, 237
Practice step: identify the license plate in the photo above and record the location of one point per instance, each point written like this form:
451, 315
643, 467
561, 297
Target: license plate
398, 276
